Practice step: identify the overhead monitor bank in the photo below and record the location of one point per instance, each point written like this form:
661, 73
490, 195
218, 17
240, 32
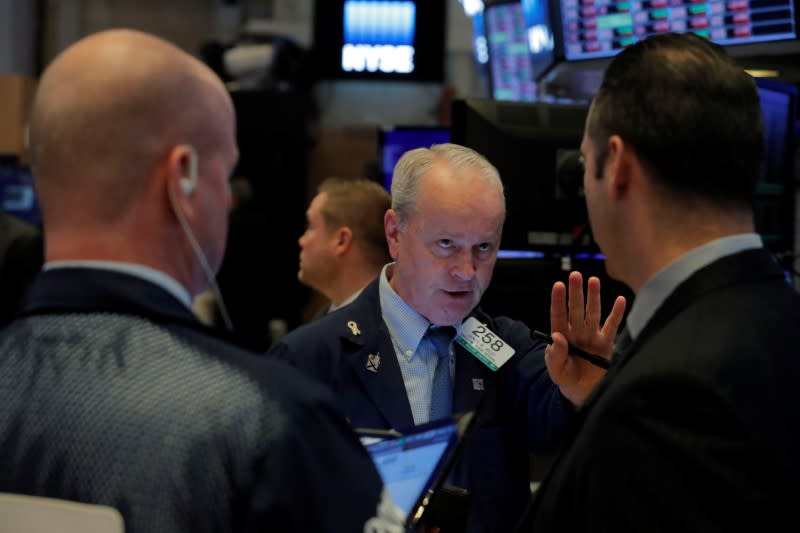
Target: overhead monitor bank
601, 28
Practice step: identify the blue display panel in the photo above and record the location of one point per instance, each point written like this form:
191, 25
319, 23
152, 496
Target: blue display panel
394, 142
379, 36
379, 39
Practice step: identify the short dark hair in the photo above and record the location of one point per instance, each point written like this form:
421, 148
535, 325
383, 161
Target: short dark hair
360, 205
691, 114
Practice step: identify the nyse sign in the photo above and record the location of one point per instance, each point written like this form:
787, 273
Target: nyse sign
398, 59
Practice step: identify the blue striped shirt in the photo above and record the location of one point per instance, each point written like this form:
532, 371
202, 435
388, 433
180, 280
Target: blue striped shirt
407, 328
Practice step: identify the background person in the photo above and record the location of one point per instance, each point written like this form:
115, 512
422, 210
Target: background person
343, 247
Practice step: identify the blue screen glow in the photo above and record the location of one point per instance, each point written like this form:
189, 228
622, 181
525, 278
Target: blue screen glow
379, 36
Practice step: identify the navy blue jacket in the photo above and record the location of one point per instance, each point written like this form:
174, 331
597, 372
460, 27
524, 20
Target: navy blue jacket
522, 410
111, 392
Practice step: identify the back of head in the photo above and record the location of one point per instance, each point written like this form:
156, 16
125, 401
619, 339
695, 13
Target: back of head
106, 110
360, 205
691, 114
414, 164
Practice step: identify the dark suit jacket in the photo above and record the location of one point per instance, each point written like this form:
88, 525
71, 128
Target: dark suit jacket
697, 426
21, 257
111, 392
521, 410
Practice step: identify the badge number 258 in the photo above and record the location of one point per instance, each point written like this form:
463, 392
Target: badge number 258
484, 344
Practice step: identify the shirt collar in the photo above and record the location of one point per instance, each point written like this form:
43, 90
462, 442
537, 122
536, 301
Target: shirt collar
156, 277
665, 281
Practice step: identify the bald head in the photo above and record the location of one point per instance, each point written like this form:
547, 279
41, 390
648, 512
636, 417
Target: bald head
107, 109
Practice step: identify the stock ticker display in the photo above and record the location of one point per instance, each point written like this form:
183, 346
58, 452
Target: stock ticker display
600, 28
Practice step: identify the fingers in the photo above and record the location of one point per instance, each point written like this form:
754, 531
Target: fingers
611, 325
575, 296
556, 357
593, 304
558, 307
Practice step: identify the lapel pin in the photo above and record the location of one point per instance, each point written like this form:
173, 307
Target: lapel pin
354, 328
373, 362
477, 384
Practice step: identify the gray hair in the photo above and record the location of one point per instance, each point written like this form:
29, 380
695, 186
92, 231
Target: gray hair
416, 163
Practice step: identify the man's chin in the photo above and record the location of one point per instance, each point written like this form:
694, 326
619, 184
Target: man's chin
452, 313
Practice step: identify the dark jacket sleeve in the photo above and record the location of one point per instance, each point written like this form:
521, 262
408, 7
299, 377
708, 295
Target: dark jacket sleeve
538, 400
319, 458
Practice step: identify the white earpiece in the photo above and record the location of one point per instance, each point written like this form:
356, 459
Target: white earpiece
189, 182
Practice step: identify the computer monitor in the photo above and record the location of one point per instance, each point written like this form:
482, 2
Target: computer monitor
540, 35
17, 194
527, 141
591, 29
380, 39
775, 202
510, 62
394, 141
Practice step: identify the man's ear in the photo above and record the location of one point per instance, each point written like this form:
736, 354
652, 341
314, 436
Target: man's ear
344, 240
391, 226
179, 167
619, 166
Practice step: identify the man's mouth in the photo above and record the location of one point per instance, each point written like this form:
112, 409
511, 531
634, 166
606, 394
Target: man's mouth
458, 294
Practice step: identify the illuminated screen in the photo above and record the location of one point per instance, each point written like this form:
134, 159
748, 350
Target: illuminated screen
407, 465
539, 30
774, 203
394, 142
509, 57
600, 28
391, 39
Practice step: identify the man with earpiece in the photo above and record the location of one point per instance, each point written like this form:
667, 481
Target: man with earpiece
111, 391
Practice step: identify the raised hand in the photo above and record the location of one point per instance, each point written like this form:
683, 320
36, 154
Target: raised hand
572, 321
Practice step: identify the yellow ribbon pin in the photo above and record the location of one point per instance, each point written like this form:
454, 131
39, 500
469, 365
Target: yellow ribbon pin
354, 328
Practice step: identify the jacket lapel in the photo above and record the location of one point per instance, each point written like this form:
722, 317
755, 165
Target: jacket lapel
377, 370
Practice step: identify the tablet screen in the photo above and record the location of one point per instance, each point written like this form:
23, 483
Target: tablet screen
409, 464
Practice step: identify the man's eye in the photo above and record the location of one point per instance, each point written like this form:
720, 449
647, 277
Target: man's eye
445, 243
484, 247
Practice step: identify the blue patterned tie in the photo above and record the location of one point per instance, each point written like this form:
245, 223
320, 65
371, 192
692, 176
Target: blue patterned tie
442, 390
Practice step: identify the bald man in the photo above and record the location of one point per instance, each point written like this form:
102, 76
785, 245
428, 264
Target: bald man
111, 391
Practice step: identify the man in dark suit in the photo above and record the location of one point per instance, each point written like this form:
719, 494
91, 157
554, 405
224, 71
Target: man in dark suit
696, 426
111, 391
382, 355
343, 247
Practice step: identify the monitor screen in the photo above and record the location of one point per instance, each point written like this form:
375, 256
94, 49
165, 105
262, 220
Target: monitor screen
528, 142
510, 61
408, 464
393, 142
539, 30
774, 202
380, 39
480, 48
600, 28
17, 194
